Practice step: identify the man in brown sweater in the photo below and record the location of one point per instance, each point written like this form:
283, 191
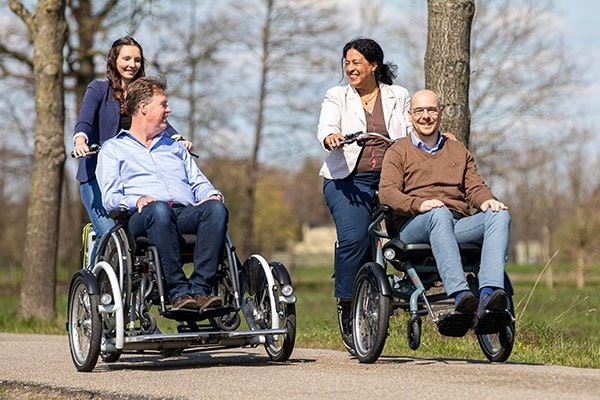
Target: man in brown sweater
432, 184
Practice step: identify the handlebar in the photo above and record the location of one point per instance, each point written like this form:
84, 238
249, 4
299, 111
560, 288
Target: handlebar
95, 148
361, 138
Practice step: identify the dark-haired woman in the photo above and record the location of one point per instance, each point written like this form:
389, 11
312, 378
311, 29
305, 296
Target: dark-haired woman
369, 103
101, 117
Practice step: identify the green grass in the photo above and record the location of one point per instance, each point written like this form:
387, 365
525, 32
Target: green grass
557, 326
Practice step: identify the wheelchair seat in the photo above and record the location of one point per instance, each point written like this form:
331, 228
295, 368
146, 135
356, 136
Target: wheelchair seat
420, 252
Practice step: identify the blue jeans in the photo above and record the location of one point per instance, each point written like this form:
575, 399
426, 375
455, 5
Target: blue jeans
92, 202
350, 202
163, 224
439, 228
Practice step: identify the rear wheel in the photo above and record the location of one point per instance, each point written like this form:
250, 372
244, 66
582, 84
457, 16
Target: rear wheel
370, 317
85, 329
225, 290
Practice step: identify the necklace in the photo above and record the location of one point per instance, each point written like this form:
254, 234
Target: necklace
372, 97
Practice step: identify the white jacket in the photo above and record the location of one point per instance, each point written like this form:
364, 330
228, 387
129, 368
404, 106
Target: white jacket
342, 112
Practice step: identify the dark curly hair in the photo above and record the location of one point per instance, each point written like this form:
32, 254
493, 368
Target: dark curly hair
371, 50
114, 78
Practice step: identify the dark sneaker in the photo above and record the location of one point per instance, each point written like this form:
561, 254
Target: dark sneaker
344, 310
203, 302
492, 314
495, 301
186, 301
458, 322
465, 302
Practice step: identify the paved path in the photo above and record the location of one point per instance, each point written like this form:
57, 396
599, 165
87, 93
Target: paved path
44, 361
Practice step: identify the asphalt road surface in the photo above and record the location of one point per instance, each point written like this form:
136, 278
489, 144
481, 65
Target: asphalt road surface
41, 366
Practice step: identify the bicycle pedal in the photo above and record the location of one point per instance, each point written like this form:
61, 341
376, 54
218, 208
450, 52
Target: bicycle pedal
455, 324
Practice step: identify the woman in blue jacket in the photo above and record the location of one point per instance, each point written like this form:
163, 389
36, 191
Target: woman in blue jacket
101, 117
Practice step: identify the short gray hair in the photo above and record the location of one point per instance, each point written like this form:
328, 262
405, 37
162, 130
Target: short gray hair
142, 90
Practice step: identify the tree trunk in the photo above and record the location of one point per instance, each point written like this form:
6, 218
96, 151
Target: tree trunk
48, 29
447, 61
253, 168
580, 271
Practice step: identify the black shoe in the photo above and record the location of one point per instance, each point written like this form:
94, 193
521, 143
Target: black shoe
492, 314
466, 302
344, 309
458, 322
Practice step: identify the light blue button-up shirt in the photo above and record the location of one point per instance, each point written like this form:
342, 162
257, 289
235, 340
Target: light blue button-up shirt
128, 170
421, 145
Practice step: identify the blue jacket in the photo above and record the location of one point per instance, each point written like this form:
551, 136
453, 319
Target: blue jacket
99, 118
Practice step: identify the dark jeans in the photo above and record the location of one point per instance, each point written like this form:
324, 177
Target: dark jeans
350, 201
163, 224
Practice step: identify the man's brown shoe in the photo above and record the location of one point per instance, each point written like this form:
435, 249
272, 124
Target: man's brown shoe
186, 301
203, 302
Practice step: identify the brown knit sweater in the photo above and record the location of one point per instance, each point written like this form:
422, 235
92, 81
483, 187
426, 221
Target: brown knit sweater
410, 176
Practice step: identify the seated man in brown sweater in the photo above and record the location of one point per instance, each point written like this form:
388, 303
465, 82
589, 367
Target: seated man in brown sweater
432, 184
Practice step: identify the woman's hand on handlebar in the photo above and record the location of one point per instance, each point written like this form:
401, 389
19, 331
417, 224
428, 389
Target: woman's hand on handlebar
333, 140
187, 144
81, 148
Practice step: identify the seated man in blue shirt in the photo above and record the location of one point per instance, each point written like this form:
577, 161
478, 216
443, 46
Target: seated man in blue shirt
144, 169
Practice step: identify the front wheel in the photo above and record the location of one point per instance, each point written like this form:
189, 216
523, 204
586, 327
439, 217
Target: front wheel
414, 331
85, 328
280, 348
110, 357
370, 316
269, 306
498, 346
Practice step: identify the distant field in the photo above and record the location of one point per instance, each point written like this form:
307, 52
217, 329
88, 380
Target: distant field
554, 326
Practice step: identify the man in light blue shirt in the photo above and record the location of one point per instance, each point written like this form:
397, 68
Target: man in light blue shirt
151, 174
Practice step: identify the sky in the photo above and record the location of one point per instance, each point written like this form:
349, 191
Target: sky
582, 30
579, 20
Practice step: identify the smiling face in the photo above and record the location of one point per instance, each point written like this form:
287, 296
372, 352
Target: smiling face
129, 62
157, 111
359, 70
425, 113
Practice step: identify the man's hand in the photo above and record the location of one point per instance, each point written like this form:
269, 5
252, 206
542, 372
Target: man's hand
427, 205
213, 197
495, 205
143, 202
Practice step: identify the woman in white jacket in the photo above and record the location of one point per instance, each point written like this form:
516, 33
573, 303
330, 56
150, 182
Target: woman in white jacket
369, 103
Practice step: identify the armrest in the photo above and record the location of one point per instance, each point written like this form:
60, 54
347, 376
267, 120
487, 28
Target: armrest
119, 213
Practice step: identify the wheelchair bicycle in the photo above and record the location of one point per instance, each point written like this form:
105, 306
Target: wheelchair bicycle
112, 304
412, 284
